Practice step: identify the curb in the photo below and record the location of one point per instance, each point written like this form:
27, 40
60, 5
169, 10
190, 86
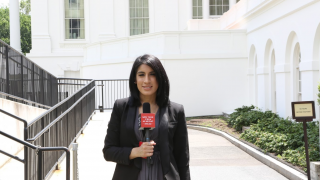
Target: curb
281, 168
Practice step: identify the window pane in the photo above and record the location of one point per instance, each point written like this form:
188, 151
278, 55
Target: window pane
195, 11
132, 12
67, 24
146, 23
74, 33
213, 10
225, 2
219, 2
81, 21
146, 12
199, 2
131, 3
82, 33
225, 9
75, 23
81, 13
139, 12
199, 11
212, 2
194, 2
219, 10
146, 3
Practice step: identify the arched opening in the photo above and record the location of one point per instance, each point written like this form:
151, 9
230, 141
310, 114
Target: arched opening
256, 79
297, 73
251, 76
273, 83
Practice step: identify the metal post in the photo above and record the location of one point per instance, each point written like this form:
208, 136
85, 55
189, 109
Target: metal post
75, 161
306, 148
39, 164
68, 165
25, 136
7, 69
101, 110
22, 76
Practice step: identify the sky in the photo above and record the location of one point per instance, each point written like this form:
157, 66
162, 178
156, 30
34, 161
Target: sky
4, 3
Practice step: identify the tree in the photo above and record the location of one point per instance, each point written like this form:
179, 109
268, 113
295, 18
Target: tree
5, 25
25, 26
25, 6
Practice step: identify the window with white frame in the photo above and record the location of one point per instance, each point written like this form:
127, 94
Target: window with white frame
139, 17
196, 9
218, 7
74, 19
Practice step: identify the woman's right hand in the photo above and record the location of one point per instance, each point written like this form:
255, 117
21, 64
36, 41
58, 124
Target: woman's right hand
145, 150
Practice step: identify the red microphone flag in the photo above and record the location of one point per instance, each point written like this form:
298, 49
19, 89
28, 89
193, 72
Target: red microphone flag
147, 121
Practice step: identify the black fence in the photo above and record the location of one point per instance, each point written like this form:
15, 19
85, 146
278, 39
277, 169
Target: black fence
68, 86
23, 78
108, 91
59, 126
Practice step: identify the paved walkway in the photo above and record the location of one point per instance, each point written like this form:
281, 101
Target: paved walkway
212, 157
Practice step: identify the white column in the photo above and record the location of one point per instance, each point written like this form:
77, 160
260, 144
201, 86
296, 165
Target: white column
189, 9
106, 20
231, 3
15, 25
205, 9
41, 41
283, 89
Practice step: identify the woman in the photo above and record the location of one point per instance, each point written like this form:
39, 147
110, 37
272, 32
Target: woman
169, 149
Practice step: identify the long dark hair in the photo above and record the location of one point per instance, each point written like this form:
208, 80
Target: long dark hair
162, 97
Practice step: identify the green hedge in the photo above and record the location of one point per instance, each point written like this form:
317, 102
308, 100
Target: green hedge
277, 135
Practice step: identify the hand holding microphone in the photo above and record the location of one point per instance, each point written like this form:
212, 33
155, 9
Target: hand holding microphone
146, 149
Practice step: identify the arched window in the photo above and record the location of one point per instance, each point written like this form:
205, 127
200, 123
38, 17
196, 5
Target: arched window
218, 7
139, 17
74, 19
196, 9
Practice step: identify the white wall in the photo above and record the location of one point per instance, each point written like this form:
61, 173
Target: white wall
13, 127
207, 67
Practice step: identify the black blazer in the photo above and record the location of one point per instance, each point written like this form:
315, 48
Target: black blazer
173, 141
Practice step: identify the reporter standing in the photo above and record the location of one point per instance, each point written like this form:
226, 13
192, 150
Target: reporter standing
169, 147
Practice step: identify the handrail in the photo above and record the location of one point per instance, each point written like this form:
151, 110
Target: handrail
22, 99
25, 136
111, 80
58, 118
74, 79
40, 150
55, 106
14, 157
16, 117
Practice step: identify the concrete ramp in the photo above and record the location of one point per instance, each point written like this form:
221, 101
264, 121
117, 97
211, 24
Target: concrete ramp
212, 157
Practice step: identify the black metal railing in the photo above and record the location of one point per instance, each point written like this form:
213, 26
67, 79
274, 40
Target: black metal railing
22, 78
39, 152
109, 90
59, 126
68, 86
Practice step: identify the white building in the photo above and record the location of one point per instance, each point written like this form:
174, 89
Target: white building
219, 54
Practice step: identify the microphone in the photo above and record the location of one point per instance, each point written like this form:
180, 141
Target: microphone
147, 122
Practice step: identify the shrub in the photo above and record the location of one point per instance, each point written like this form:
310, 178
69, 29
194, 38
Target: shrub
285, 138
247, 115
